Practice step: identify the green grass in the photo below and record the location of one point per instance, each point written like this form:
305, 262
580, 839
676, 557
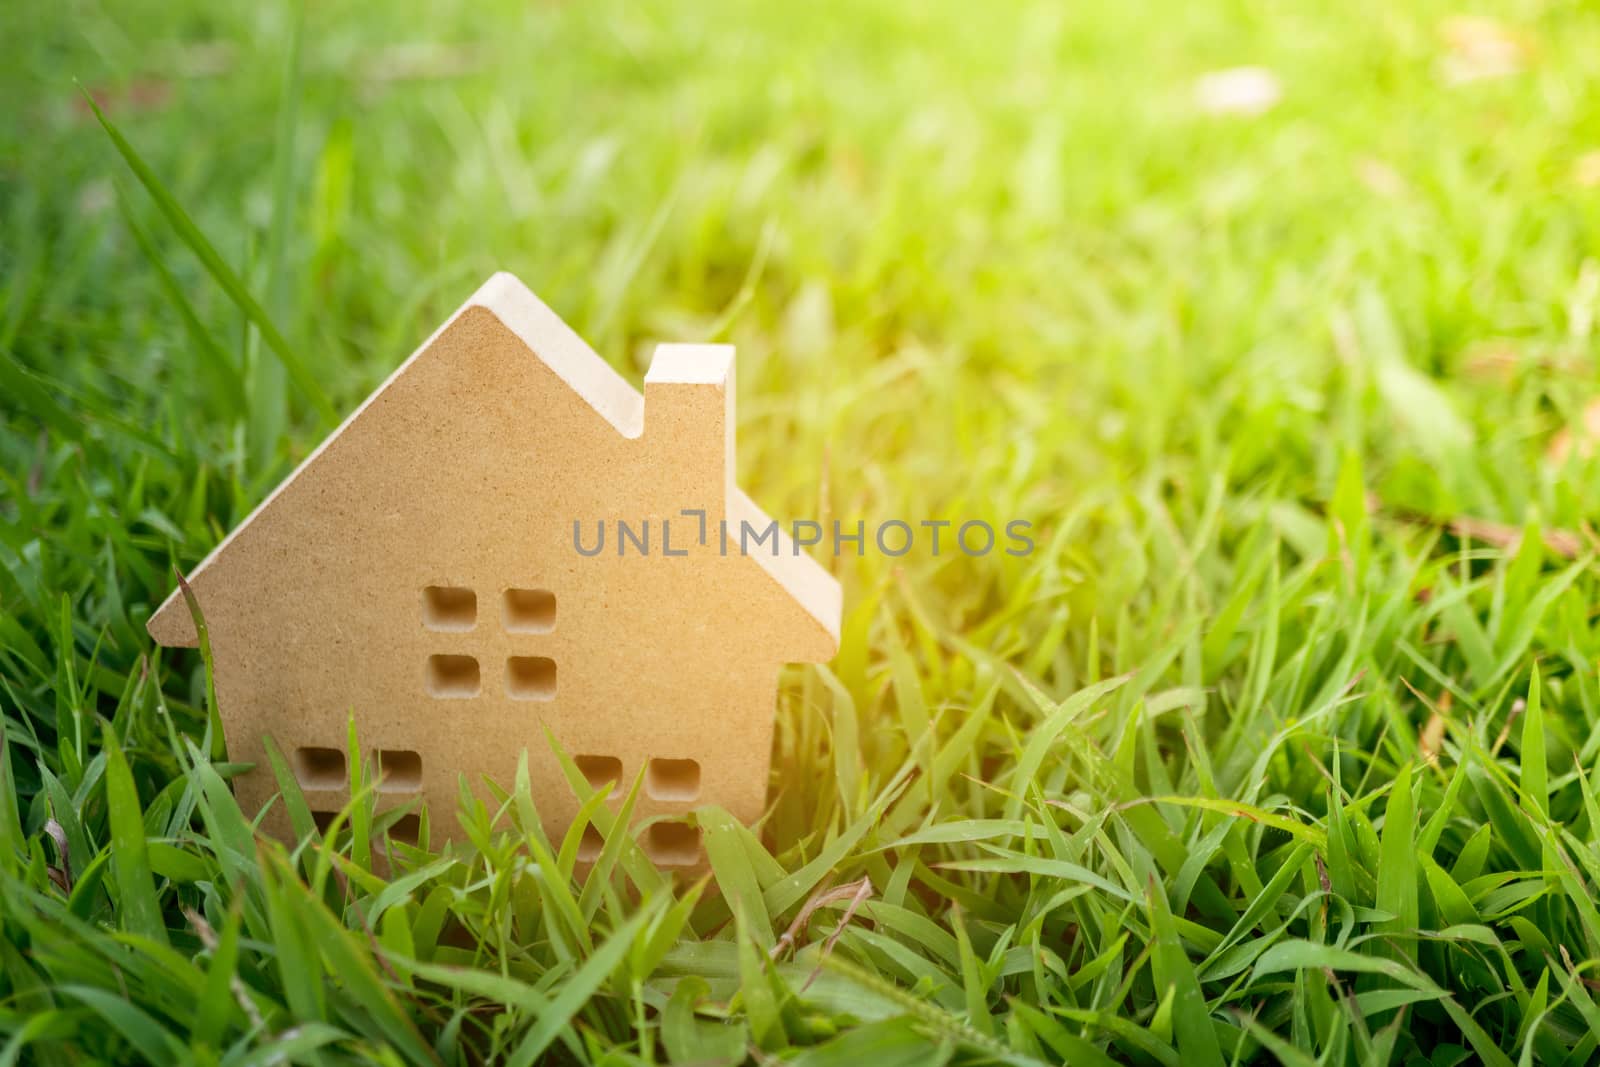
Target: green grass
1258, 758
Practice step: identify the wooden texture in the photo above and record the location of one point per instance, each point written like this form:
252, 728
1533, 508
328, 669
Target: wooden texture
419, 571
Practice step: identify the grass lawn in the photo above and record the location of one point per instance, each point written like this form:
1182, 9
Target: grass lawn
1283, 746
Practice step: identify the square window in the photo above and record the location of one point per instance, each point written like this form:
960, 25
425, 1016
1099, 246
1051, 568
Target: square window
531, 678
449, 607
453, 677
672, 844
529, 611
319, 768
407, 829
672, 779
399, 770
601, 772
590, 844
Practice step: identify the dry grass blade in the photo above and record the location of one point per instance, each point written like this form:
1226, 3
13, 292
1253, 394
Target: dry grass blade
855, 892
60, 873
1564, 543
208, 938
1518, 706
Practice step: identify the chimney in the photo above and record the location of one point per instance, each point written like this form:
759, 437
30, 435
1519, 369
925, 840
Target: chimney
689, 423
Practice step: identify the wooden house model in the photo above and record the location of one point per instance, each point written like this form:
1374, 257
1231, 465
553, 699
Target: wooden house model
421, 570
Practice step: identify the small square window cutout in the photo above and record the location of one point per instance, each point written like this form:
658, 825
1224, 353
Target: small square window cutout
407, 829
399, 770
453, 677
601, 772
531, 678
319, 768
449, 607
672, 844
672, 779
530, 611
590, 844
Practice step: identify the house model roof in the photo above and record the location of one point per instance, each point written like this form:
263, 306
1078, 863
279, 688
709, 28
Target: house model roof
609, 395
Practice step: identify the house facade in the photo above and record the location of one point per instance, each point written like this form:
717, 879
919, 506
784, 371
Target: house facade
419, 571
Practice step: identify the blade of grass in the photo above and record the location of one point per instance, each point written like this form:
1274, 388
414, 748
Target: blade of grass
219, 270
130, 863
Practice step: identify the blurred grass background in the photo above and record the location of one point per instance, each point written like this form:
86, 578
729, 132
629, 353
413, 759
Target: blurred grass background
1278, 323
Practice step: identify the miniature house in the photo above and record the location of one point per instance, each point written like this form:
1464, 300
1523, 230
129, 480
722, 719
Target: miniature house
420, 570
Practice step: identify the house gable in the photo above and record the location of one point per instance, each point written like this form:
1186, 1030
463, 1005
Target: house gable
686, 413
